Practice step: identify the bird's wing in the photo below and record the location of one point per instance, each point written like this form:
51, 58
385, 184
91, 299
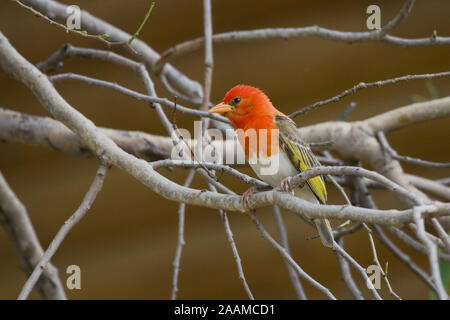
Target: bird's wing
300, 154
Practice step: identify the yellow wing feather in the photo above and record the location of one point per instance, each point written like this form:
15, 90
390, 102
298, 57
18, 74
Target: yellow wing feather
300, 154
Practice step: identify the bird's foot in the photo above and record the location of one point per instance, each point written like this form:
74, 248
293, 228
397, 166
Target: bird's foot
286, 185
251, 191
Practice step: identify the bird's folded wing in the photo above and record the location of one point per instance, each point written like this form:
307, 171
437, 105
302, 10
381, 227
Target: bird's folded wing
300, 154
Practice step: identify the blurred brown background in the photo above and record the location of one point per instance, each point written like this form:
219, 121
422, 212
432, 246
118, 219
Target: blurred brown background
126, 244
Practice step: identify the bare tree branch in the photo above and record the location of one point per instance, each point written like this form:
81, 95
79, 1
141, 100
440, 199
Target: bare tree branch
190, 164
442, 233
364, 85
237, 258
411, 242
309, 31
180, 241
432, 254
403, 257
14, 219
283, 239
430, 186
399, 18
377, 262
409, 115
85, 205
288, 258
101, 37
302, 177
351, 106
134, 94
395, 155
358, 268
209, 60
49, 133
365, 199
94, 25
346, 274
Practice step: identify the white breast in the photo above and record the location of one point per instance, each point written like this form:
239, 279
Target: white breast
275, 168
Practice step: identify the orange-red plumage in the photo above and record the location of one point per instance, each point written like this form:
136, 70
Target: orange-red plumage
255, 112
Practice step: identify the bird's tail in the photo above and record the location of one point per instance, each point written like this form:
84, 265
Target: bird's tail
325, 232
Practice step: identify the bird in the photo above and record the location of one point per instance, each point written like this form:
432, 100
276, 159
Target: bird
274, 155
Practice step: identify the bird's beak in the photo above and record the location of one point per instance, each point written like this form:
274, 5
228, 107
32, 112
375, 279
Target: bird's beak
221, 108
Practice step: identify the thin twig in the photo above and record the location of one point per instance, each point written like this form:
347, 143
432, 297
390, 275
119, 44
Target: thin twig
214, 166
237, 258
309, 31
340, 189
403, 257
358, 268
85, 205
103, 37
134, 94
364, 85
346, 274
351, 106
230, 239
430, 186
320, 145
142, 23
209, 60
288, 258
387, 148
377, 262
180, 241
436, 240
178, 137
343, 231
145, 53
399, 18
364, 199
194, 101
416, 245
442, 233
283, 238
432, 254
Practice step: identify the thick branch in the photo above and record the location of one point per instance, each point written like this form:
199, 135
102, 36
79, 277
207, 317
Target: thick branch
410, 114
45, 132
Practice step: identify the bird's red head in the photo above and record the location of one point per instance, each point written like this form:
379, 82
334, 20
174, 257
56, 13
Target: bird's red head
243, 103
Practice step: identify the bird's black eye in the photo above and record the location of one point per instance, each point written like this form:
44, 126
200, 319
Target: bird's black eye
235, 101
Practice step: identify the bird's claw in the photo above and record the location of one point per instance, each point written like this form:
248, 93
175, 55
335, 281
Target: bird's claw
247, 194
251, 191
286, 185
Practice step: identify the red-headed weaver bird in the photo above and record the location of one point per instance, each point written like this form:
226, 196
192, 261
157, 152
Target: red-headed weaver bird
250, 110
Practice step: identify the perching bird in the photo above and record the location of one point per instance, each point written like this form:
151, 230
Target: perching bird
276, 155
